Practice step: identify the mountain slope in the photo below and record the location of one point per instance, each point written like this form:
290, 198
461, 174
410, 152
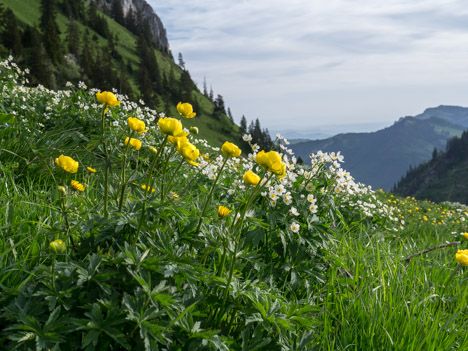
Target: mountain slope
381, 158
107, 54
443, 178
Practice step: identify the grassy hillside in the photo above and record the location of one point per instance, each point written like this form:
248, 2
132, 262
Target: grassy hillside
381, 158
443, 178
214, 129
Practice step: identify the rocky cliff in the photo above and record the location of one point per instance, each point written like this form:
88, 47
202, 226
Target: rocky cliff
148, 14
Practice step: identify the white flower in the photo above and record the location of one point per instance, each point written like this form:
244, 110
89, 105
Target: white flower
295, 227
231, 191
311, 198
115, 123
247, 137
313, 208
287, 201
273, 203
310, 187
293, 211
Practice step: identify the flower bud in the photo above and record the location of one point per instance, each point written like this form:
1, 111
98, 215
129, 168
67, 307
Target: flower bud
62, 189
57, 247
194, 130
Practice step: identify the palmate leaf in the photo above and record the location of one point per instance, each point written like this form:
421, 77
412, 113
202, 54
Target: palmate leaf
96, 325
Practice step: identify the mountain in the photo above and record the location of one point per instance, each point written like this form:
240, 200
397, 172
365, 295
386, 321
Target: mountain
380, 158
109, 44
443, 178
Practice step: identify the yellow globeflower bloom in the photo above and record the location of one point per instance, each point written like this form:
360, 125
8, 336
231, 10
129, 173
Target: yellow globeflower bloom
92, 170
230, 149
424, 218
175, 140
67, 163
189, 152
272, 162
251, 178
134, 143
77, 185
136, 125
57, 247
107, 98
223, 211
171, 126
462, 257
173, 196
185, 110
465, 234
153, 149
147, 188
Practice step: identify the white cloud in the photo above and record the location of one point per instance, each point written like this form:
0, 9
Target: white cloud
311, 60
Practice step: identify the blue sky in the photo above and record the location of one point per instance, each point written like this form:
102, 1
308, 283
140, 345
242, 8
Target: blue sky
305, 64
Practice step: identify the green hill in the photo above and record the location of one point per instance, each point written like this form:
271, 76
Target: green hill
443, 178
105, 54
380, 158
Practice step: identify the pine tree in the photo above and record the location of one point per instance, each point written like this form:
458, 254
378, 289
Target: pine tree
211, 95
73, 38
205, 89
117, 12
181, 61
50, 31
11, 36
243, 124
229, 114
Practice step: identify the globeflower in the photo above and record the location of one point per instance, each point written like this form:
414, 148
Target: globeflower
462, 257
76, 185
272, 162
465, 234
107, 98
230, 149
57, 247
223, 211
185, 110
251, 178
175, 140
67, 163
189, 152
90, 169
171, 126
147, 188
134, 143
136, 125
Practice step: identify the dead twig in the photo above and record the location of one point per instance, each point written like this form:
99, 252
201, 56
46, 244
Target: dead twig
420, 253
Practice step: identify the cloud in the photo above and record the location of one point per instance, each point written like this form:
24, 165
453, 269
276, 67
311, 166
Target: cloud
268, 57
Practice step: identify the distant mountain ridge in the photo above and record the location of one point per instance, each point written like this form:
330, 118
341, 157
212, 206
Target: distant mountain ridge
443, 178
381, 158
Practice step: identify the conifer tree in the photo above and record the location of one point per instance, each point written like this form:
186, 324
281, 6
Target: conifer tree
181, 61
73, 38
243, 124
11, 36
50, 31
229, 114
117, 12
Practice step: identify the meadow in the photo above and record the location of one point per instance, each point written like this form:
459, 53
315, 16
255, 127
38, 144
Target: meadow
121, 230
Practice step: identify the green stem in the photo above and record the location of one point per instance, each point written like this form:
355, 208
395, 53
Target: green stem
149, 184
124, 166
53, 274
449, 279
106, 165
171, 179
210, 194
163, 175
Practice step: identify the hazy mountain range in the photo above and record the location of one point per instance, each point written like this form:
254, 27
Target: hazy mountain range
381, 158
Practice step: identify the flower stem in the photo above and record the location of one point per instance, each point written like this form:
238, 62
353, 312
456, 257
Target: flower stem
106, 165
210, 194
124, 166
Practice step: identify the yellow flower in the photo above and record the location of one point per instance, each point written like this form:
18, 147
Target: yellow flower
189, 152
136, 125
67, 163
171, 126
107, 98
230, 149
465, 234
77, 185
92, 170
175, 140
57, 247
62, 189
173, 196
153, 150
272, 162
134, 143
462, 257
251, 178
147, 188
424, 218
185, 110
223, 211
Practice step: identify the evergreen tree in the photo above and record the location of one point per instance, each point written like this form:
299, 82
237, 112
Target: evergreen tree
86, 57
211, 95
11, 36
117, 12
37, 60
205, 89
130, 21
243, 124
73, 38
229, 114
50, 31
181, 61
187, 86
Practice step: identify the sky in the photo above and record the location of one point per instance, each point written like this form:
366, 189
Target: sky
313, 66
